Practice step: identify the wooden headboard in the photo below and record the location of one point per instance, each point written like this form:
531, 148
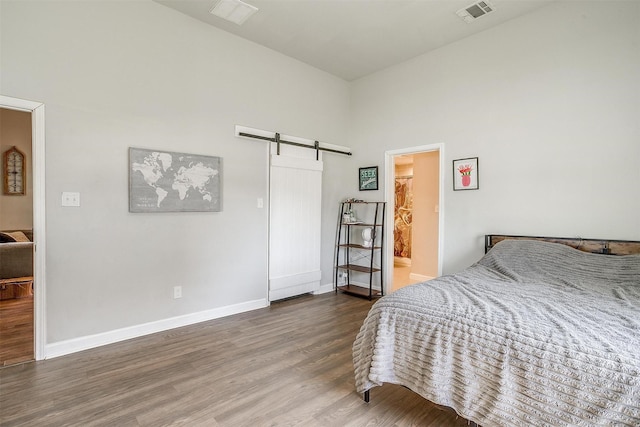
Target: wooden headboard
596, 246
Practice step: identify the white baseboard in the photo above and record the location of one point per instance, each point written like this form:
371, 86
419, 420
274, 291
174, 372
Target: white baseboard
74, 345
292, 291
324, 289
419, 277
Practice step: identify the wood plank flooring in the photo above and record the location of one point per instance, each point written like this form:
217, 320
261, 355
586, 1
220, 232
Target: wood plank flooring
16, 330
285, 365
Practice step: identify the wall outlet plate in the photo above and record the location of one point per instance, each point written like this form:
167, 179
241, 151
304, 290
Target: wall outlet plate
71, 199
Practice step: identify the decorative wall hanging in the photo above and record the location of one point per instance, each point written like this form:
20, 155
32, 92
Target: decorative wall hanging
403, 216
465, 174
14, 171
368, 178
165, 181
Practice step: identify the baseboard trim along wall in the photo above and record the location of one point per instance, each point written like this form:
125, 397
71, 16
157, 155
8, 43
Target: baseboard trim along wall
74, 345
324, 289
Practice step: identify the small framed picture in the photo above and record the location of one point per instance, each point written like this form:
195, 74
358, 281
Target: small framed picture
465, 174
368, 178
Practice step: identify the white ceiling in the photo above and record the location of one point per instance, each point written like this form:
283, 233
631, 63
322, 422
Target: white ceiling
354, 38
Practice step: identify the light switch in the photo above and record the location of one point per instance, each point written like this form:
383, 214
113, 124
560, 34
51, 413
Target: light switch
70, 199
260, 203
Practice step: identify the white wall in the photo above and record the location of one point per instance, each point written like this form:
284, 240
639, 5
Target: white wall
549, 102
119, 74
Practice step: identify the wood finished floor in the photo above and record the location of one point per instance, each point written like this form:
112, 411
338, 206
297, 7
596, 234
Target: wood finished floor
16, 330
286, 365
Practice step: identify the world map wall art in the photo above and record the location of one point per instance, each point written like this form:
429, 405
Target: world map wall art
164, 181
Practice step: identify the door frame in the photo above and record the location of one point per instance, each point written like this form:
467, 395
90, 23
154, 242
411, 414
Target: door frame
389, 196
39, 237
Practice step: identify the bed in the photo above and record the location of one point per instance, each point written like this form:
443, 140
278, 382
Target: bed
535, 333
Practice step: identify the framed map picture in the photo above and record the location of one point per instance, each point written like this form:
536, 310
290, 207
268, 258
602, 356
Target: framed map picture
368, 178
165, 181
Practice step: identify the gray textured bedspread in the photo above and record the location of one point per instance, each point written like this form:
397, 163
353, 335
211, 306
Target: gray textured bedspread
533, 334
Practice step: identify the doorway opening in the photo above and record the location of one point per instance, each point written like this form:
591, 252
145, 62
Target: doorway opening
24, 218
414, 189
16, 238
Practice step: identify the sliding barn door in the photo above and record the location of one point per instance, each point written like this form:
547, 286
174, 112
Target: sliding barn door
294, 222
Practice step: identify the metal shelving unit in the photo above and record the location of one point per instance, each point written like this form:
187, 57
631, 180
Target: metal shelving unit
353, 259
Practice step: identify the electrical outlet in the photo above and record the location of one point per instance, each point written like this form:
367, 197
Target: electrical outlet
70, 199
177, 292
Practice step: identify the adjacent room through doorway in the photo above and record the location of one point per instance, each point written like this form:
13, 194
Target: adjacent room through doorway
16, 238
29, 220
416, 217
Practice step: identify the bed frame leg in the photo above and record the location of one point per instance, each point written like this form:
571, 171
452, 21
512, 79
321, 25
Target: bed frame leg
365, 396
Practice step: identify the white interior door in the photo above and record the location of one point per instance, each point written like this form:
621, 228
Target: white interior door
295, 187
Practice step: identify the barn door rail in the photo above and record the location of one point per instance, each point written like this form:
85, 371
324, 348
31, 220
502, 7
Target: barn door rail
278, 140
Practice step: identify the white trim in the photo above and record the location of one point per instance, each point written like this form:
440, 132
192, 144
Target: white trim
324, 289
91, 341
18, 104
38, 175
389, 168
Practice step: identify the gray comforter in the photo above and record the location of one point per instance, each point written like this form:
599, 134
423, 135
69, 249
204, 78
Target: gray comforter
533, 334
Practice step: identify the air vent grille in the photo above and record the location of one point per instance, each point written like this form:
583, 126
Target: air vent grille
475, 11
235, 11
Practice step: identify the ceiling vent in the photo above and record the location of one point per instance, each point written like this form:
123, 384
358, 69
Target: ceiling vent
475, 11
235, 11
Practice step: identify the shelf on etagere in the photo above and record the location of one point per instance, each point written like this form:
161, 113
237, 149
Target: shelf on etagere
359, 268
358, 291
353, 245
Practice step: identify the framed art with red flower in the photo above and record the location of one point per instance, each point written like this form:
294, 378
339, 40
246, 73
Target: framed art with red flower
465, 174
